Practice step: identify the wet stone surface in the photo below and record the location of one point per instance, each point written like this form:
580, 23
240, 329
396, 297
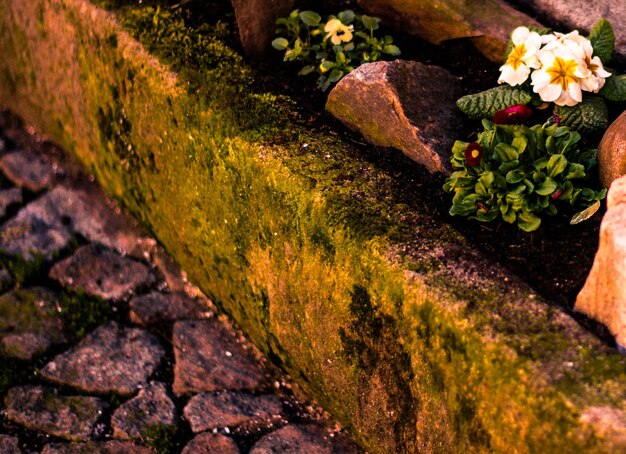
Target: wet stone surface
151, 407
81, 370
209, 358
210, 411
111, 359
39, 408
103, 273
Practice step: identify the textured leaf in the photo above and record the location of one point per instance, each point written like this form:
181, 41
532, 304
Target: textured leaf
485, 104
310, 18
589, 116
586, 213
615, 87
603, 40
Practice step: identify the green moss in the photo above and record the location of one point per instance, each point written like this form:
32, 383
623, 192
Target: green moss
83, 313
24, 270
14, 372
161, 438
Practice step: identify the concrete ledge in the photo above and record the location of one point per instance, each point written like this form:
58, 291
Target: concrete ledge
329, 263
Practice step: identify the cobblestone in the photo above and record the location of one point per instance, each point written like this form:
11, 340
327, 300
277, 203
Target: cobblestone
91, 248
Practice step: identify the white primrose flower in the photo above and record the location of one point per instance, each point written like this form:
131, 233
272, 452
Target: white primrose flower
558, 79
522, 58
593, 71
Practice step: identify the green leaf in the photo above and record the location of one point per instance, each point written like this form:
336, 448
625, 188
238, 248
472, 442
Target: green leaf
306, 70
590, 116
310, 18
575, 171
371, 23
546, 187
528, 222
515, 176
391, 50
346, 16
586, 213
603, 40
485, 104
615, 87
335, 75
556, 164
506, 152
280, 44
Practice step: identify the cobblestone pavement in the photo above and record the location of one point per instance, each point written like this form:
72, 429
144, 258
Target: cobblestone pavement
104, 345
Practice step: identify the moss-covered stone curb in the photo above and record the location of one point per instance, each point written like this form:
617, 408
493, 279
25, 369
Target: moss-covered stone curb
329, 263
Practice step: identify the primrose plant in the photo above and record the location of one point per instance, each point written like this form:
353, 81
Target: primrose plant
332, 48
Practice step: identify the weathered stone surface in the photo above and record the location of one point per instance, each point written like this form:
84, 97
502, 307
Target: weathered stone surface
28, 238
488, 23
208, 411
402, 104
257, 22
295, 439
582, 15
113, 358
102, 272
603, 297
159, 307
28, 169
8, 198
609, 424
151, 407
42, 409
9, 445
85, 209
109, 447
612, 152
208, 443
29, 323
209, 358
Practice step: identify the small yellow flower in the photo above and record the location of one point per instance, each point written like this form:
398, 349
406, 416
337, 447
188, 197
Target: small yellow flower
338, 32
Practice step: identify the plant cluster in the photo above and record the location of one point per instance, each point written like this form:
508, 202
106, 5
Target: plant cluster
550, 69
518, 173
332, 48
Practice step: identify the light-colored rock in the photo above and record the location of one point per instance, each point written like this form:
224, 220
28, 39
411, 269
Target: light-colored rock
208, 411
582, 15
101, 272
42, 409
612, 152
488, 22
210, 358
151, 407
256, 20
402, 104
603, 296
110, 359
208, 443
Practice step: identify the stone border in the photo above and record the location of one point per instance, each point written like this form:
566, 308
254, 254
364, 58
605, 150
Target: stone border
388, 319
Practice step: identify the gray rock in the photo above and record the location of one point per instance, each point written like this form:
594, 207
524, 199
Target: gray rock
404, 105
603, 297
101, 272
208, 411
208, 443
42, 409
85, 209
256, 20
8, 198
159, 307
109, 447
28, 169
151, 407
28, 238
29, 323
296, 439
209, 358
487, 24
612, 152
9, 445
583, 14
113, 358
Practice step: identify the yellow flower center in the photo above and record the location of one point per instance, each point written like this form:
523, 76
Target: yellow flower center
475, 153
516, 55
562, 72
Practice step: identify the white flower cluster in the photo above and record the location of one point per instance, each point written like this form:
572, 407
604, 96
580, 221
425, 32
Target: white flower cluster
560, 66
